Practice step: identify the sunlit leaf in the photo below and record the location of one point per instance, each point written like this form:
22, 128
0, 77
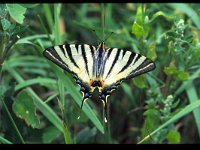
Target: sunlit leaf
17, 12
173, 137
138, 30
182, 75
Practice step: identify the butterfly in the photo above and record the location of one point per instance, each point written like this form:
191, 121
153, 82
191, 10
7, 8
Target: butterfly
102, 68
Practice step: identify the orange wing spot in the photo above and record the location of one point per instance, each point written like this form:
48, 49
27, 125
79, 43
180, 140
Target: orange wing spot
102, 83
91, 81
96, 83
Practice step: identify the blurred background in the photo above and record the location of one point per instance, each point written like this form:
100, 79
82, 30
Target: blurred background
39, 103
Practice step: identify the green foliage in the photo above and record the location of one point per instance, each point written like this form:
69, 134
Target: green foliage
173, 137
25, 109
149, 109
180, 74
17, 12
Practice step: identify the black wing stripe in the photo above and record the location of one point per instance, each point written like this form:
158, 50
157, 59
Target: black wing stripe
114, 62
128, 62
76, 46
109, 52
93, 57
124, 52
84, 58
68, 49
62, 49
146, 66
54, 53
51, 54
92, 50
136, 59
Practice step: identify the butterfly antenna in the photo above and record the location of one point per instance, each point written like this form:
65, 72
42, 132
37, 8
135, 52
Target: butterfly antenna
108, 36
96, 35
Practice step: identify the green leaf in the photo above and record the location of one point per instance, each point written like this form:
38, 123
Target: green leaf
5, 24
171, 70
138, 30
182, 75
24, 108
160, 13
139, 81
152, 52
17, 12
173, 137
139, 15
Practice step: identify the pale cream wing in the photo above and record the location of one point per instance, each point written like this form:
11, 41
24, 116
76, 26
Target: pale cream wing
121, 65
74, 58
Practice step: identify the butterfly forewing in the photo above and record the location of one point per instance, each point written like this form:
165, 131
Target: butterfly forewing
74, 58
121, 65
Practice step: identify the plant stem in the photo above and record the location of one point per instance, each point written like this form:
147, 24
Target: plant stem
5, 53
13, 122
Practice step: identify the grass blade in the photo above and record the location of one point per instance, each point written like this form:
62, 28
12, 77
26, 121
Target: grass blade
4, 141
192, 95
34, 81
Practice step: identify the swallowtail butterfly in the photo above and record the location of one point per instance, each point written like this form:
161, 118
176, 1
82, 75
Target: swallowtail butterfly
102, 68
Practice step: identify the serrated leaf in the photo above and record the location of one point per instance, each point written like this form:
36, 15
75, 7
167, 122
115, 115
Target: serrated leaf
138, 30
24, 108
5, 24
173, 137
17, 12
139, 81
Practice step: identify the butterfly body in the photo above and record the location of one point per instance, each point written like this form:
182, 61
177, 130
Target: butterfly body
98, 67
